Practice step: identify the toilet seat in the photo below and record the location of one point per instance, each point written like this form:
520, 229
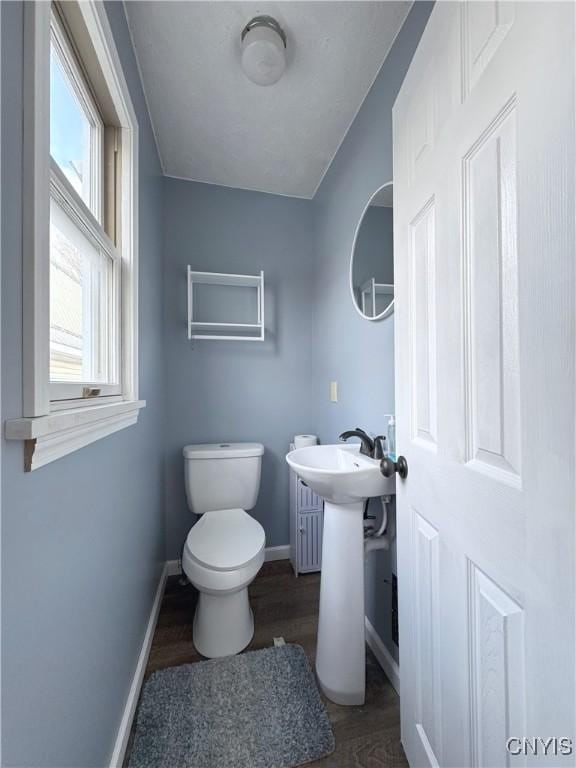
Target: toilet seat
223, 553
225, 540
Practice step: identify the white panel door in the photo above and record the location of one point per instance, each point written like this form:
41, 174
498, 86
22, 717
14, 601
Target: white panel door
484, 159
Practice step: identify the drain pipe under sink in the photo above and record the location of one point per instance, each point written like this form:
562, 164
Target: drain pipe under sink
379, 539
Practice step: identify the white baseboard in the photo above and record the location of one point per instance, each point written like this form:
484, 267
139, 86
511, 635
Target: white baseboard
383, 655
119, 751
271, 553
277, 553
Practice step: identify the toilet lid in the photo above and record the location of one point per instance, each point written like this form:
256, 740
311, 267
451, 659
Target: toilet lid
225, 539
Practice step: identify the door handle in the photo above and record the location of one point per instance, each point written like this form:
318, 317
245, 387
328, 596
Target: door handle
388, 467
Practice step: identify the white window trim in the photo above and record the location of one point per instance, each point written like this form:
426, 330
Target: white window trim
48, 438
51, 432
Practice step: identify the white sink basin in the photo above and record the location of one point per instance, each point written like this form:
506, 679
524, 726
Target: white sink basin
340, 473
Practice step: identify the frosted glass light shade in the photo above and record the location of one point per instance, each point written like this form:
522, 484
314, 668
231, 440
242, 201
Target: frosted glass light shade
263, 55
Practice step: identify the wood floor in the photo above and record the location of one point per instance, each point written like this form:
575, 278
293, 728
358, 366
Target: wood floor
286, 606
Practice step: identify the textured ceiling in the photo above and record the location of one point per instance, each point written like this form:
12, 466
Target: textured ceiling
213, 125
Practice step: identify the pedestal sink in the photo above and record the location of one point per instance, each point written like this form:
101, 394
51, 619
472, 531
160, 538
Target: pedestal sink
344, 478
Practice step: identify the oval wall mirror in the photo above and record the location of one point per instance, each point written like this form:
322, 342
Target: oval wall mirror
372, 259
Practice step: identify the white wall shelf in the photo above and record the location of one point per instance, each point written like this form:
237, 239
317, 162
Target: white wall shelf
202, 328
370, 290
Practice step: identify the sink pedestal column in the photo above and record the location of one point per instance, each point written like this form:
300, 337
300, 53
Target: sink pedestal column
341, 651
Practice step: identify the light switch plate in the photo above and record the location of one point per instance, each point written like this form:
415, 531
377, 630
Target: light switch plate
333, 391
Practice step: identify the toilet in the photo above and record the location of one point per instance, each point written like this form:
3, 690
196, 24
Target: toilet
225, 549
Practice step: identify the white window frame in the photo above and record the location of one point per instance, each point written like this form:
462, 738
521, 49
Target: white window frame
51, 430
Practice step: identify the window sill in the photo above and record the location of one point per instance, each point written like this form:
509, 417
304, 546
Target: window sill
47, 438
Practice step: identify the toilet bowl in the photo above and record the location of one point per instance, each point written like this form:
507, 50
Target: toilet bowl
223, 553
225, 549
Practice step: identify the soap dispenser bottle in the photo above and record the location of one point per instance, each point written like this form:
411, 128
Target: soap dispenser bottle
392, 437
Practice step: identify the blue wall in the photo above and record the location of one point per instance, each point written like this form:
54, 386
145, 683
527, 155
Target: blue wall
82, 538
358, 353
236, 391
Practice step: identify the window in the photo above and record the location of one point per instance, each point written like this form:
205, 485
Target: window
80, 234
76, 126
84, 308
85, 265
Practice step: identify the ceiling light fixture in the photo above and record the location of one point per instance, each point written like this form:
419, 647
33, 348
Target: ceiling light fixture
263, 50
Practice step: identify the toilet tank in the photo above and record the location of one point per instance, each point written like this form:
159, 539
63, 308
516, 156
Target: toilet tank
222, 475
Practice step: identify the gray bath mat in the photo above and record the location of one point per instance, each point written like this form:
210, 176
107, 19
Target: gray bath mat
260, 709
